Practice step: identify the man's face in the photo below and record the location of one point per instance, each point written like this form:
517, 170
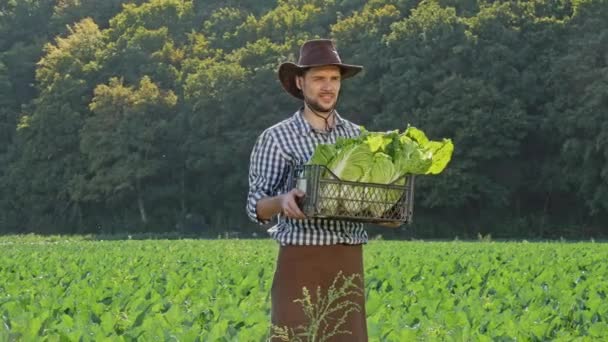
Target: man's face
321, 86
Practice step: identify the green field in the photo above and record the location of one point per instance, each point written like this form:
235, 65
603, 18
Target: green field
71, 289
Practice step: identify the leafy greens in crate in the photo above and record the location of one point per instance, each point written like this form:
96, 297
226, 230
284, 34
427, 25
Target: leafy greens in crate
381, 158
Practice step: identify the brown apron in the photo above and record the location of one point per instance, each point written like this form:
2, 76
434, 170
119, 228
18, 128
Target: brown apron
312, 267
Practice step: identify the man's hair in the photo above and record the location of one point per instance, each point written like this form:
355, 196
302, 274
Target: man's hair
303, 71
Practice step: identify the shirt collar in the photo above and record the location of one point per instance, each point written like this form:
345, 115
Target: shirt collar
306, 128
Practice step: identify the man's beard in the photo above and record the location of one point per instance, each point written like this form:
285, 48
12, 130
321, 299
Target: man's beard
315, 106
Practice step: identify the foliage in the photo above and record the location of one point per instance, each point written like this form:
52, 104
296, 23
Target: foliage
519, 86
72, 288
383, 157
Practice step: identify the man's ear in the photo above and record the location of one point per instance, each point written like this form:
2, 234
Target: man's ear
299, 82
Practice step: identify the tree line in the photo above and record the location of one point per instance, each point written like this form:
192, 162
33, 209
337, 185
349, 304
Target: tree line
139, 116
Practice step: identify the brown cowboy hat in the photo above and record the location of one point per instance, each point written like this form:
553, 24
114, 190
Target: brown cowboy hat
313, 53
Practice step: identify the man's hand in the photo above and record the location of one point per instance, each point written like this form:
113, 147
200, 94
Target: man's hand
289, 204
285, 204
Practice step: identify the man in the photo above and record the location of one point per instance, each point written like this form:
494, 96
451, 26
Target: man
312, 251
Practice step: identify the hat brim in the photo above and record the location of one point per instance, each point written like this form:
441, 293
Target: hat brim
288, 72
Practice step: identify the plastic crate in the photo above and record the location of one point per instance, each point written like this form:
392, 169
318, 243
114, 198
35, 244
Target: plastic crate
329, 197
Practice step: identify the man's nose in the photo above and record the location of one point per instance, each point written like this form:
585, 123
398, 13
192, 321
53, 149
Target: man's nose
327, 86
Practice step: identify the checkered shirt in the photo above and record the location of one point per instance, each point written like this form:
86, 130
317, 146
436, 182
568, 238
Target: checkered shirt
280, 147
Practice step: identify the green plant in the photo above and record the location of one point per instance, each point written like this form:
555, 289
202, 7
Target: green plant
319, 313
384, 157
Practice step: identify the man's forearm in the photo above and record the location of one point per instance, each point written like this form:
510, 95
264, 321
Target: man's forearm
268, 207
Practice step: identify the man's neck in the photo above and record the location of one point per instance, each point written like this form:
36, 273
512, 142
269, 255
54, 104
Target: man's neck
315, 121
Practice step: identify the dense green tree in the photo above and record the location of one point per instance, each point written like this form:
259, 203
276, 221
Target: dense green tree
124, 144
26, 25
361, 41
8, 122
24, 21
46, 152
8, 110
143, 115
579, 82
66, 12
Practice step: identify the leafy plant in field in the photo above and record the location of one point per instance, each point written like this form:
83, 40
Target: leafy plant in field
66, 289
320, 328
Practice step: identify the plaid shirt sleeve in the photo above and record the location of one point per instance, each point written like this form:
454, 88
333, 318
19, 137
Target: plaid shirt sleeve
267, 169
